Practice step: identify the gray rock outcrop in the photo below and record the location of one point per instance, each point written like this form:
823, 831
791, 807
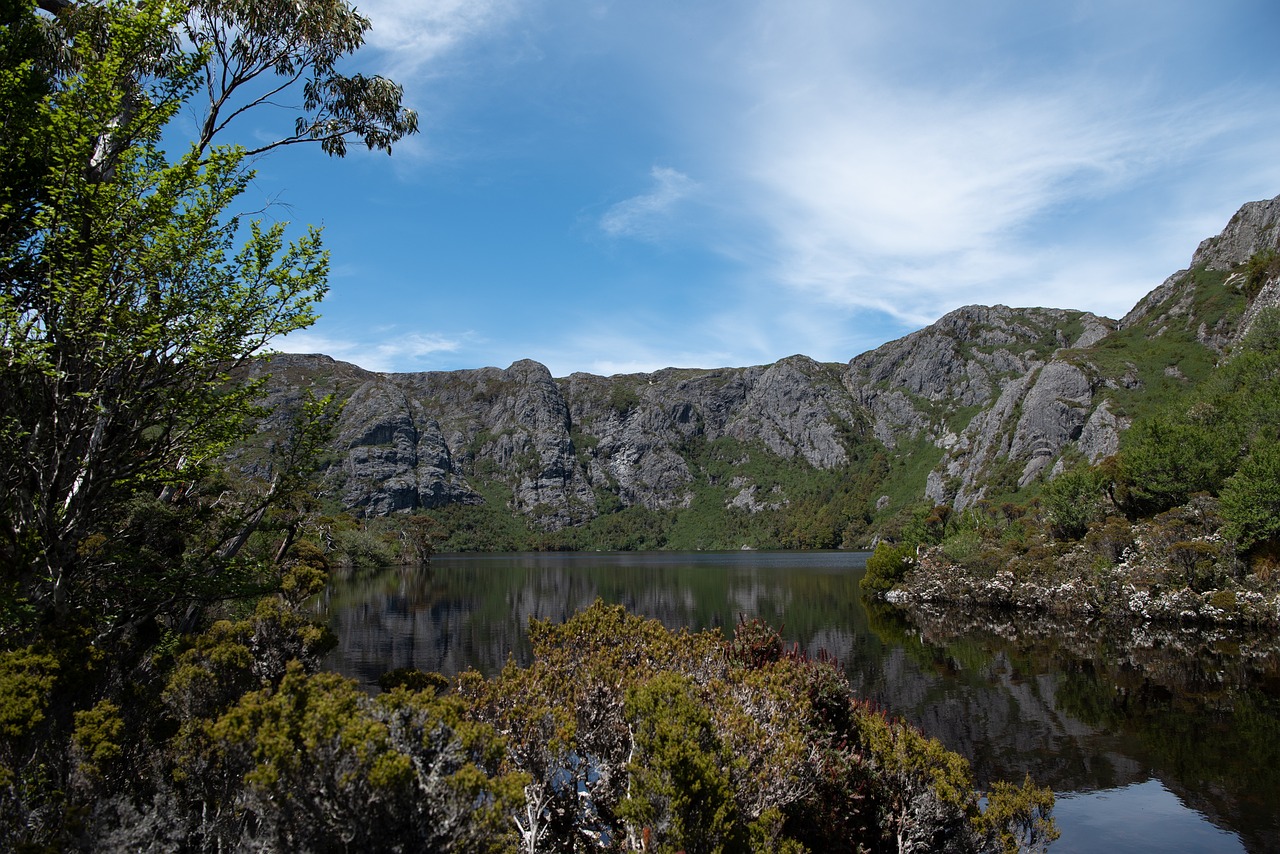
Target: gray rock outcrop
1000, 396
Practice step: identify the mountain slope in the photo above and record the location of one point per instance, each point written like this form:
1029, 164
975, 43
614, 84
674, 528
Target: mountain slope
983, 403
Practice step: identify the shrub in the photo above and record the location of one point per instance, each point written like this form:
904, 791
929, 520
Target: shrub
314, 760
1072, 500
412, 679
360, 548
1251, 498
664, 741
97, 737
1197, 564
755, 643
1018, 817
962, 548
1110, 540
27, 679
678, 781
887, 565
1263, 266
1165, 460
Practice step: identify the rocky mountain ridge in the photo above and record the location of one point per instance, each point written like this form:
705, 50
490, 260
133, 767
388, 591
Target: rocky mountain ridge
980, 404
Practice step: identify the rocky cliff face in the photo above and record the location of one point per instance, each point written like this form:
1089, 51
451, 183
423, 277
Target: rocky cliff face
983, 385
1002, 395
634, 427
564, 448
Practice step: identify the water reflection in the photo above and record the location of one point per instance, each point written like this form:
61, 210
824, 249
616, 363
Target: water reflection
1106, 707
471, 610
1141, 817
1122, 714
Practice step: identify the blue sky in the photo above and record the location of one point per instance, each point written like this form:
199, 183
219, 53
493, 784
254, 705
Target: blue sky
624, 186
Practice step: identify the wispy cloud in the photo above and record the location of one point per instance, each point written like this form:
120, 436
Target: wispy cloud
869, 190
873, 189
648, 216
415, 33
847, 170
389, 351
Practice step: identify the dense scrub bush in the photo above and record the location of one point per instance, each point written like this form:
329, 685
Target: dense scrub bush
1072, 501
964, 547
887, 565
1198, 441
680, 789
1251, 498
1109, 540
645, 739
312, 763
1167, 459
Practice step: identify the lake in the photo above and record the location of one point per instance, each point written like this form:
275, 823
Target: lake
1153, 740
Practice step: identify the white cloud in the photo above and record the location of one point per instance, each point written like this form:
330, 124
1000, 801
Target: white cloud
648, 216
392, 351
866, 167
416, 33
872, 189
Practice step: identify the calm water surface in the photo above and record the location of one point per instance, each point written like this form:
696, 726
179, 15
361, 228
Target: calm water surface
1153, 740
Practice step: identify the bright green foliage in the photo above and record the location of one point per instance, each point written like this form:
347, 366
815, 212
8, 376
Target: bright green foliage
1166, 459
1196, 480
249, 747
1019, 816
1259, 269
1072, 500
26, 677
23, 48
927, 776
26, 681
680, 795
1167, 336
1251, 498
233, 657
904, 750
132, 294
887, 565
97, 735
315, 760
132, 302
131, 297
1197, 443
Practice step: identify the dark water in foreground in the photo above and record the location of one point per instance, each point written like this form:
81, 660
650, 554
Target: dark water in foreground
1154, 741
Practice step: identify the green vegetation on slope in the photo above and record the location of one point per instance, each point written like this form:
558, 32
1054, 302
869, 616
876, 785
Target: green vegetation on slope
1181, 524
1161, 355
781, 503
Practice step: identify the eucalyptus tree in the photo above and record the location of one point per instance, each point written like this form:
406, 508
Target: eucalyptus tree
130, 290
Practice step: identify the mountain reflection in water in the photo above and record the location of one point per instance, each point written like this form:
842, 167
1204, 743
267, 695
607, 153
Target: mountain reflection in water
1109, 718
